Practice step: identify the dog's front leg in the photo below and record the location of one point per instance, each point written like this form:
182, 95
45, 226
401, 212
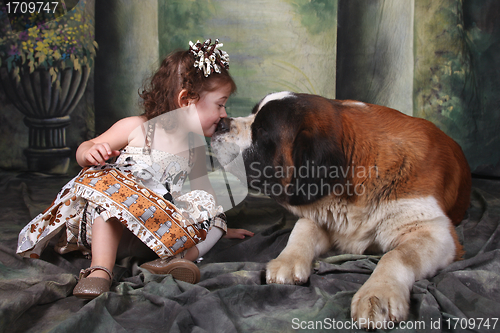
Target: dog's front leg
293, 265
421, 249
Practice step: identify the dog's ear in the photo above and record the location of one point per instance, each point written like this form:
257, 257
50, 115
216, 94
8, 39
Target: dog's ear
318, 163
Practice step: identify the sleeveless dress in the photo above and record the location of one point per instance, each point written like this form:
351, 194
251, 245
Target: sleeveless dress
142, 190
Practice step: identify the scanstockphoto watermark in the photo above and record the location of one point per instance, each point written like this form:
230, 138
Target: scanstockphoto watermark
333, 324
448, 324
322, 180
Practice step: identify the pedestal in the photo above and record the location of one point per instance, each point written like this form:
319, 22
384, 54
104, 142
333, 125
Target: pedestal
47, 106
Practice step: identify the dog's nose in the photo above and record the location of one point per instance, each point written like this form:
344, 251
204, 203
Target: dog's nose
223, 125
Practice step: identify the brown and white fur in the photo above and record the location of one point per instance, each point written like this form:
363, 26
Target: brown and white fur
413, 186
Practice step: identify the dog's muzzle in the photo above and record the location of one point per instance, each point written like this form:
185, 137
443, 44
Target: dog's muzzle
223, 126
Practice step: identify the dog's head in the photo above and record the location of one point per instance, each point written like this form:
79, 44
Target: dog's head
289, 145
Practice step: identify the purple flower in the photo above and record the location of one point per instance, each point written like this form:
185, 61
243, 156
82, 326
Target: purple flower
13, 50
23, 35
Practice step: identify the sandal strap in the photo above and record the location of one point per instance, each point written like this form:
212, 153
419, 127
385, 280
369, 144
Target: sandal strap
86, 272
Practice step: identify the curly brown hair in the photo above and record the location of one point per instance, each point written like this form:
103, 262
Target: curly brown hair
177, 72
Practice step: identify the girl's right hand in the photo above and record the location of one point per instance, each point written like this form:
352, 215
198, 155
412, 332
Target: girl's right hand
99, 153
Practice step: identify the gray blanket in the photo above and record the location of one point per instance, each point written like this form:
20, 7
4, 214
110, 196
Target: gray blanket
232, 296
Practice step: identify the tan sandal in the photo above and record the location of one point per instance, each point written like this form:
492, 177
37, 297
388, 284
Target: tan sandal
91, 287
180, 269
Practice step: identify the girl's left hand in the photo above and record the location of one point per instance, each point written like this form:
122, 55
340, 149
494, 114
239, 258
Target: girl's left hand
238, 233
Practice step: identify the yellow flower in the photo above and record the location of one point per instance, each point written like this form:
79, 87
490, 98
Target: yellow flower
42, 47
27, 46
48, 34
33, 32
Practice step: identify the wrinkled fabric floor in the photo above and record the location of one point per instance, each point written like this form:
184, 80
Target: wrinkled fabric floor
232, 296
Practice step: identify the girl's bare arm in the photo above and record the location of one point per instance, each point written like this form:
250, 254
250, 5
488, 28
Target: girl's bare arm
98, 150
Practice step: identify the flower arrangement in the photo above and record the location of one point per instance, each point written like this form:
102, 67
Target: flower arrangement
66, 41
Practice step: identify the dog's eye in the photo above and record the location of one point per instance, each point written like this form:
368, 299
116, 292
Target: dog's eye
262, 133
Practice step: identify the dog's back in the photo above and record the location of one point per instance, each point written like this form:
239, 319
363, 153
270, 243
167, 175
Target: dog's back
413, 156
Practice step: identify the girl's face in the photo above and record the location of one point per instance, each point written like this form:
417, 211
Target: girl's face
212, 107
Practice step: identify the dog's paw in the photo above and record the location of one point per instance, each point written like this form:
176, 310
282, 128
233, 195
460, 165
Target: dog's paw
288, 270
376, 303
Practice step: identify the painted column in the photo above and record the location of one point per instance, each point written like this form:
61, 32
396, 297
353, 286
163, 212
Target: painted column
127, 34
375, 52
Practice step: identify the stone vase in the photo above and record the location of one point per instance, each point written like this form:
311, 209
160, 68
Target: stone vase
46, 106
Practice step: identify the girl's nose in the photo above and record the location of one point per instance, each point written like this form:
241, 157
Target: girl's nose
223, 113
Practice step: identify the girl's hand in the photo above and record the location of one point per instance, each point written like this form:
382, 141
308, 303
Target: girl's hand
238, 233
99, 153
99, 150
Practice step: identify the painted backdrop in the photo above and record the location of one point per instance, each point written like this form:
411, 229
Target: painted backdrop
434, 59
273, 45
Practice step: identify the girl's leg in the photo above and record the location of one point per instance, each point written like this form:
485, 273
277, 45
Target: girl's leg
105, 239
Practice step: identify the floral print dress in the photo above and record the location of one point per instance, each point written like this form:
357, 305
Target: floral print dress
142, 189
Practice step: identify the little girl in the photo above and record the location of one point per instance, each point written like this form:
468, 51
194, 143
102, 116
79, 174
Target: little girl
141, 190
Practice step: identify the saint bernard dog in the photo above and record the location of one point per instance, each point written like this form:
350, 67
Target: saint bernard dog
362, 178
